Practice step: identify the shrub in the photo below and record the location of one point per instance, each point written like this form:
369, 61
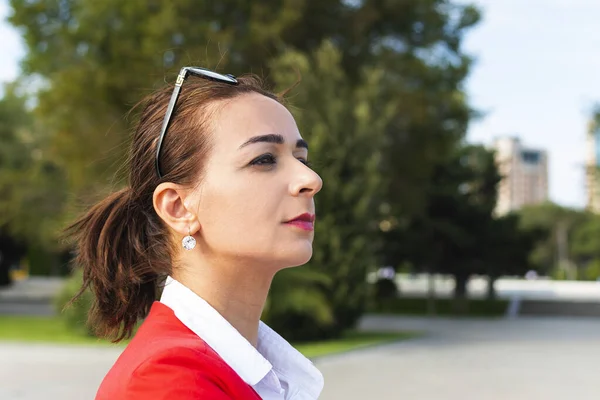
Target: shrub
385, 289
75, 314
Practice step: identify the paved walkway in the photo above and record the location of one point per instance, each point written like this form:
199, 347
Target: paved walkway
30, 371
31, 296
32, 289
521, 359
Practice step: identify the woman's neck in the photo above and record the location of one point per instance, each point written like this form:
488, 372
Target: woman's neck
236, 293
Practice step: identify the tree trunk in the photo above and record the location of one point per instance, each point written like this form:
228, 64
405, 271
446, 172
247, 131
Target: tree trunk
460, 294
460, 288
431, 311
491, 289
4, 270
10, 253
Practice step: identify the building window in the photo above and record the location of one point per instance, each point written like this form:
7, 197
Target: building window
530, 157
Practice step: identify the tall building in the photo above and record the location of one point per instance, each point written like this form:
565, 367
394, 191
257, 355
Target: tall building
524, 174
592, 165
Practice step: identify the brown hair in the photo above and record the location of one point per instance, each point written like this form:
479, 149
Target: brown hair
122, 246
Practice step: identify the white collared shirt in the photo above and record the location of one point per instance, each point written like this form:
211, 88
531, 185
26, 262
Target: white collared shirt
275, 369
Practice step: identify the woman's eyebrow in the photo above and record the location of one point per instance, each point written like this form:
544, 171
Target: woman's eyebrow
273, 138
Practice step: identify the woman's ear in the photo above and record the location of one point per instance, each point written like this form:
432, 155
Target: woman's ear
172, 203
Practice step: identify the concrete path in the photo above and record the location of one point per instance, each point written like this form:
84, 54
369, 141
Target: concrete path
521, 359
31, 296
35, 371
32, 289
33, 308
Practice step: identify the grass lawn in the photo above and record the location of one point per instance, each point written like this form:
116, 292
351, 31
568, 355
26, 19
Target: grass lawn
351, 341
53, 330
41, 329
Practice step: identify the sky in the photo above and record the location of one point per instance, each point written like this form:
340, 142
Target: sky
536, 76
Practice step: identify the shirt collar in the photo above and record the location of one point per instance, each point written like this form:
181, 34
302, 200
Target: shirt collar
250, 363
298, 371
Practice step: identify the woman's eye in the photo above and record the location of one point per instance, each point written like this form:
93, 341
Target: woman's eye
270, 160
265, 159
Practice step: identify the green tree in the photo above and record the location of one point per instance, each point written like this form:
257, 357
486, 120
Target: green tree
463, 208
585, 247
14, 156
507, 249
345, 127
31, 184
554, 245
408, 51
456, 233
431, 121
92, 76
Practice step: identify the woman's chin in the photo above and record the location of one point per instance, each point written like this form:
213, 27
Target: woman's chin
299, 256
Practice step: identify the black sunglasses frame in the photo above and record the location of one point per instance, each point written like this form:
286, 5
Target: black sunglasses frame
183, 74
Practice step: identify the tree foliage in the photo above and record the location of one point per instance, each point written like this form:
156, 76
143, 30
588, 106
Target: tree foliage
457, 234
30, 184
381, 103
92, 76
345, 126
551, 221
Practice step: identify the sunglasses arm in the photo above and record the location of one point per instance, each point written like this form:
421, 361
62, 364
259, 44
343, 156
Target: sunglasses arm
167, 119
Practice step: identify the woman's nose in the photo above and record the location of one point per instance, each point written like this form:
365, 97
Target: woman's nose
307, 182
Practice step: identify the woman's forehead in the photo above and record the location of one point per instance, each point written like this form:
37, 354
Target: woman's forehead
251, 115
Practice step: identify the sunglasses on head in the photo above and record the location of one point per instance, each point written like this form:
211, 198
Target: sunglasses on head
183, 74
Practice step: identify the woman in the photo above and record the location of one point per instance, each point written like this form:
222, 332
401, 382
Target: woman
220, 198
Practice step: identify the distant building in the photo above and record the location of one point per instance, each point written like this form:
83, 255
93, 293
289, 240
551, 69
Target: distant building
592, 165
524, 174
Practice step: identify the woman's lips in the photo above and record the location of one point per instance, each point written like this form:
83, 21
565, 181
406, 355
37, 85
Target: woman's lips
304, 225
303, 221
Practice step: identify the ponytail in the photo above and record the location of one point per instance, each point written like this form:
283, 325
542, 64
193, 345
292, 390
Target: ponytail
119, 267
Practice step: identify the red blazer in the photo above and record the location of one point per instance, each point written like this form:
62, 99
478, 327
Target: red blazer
166, 360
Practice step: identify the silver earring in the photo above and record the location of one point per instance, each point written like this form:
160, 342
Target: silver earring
188, 242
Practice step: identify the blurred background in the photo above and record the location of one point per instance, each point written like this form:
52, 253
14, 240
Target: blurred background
457, 254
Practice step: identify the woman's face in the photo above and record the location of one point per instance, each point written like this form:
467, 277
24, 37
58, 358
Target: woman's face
256, 180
